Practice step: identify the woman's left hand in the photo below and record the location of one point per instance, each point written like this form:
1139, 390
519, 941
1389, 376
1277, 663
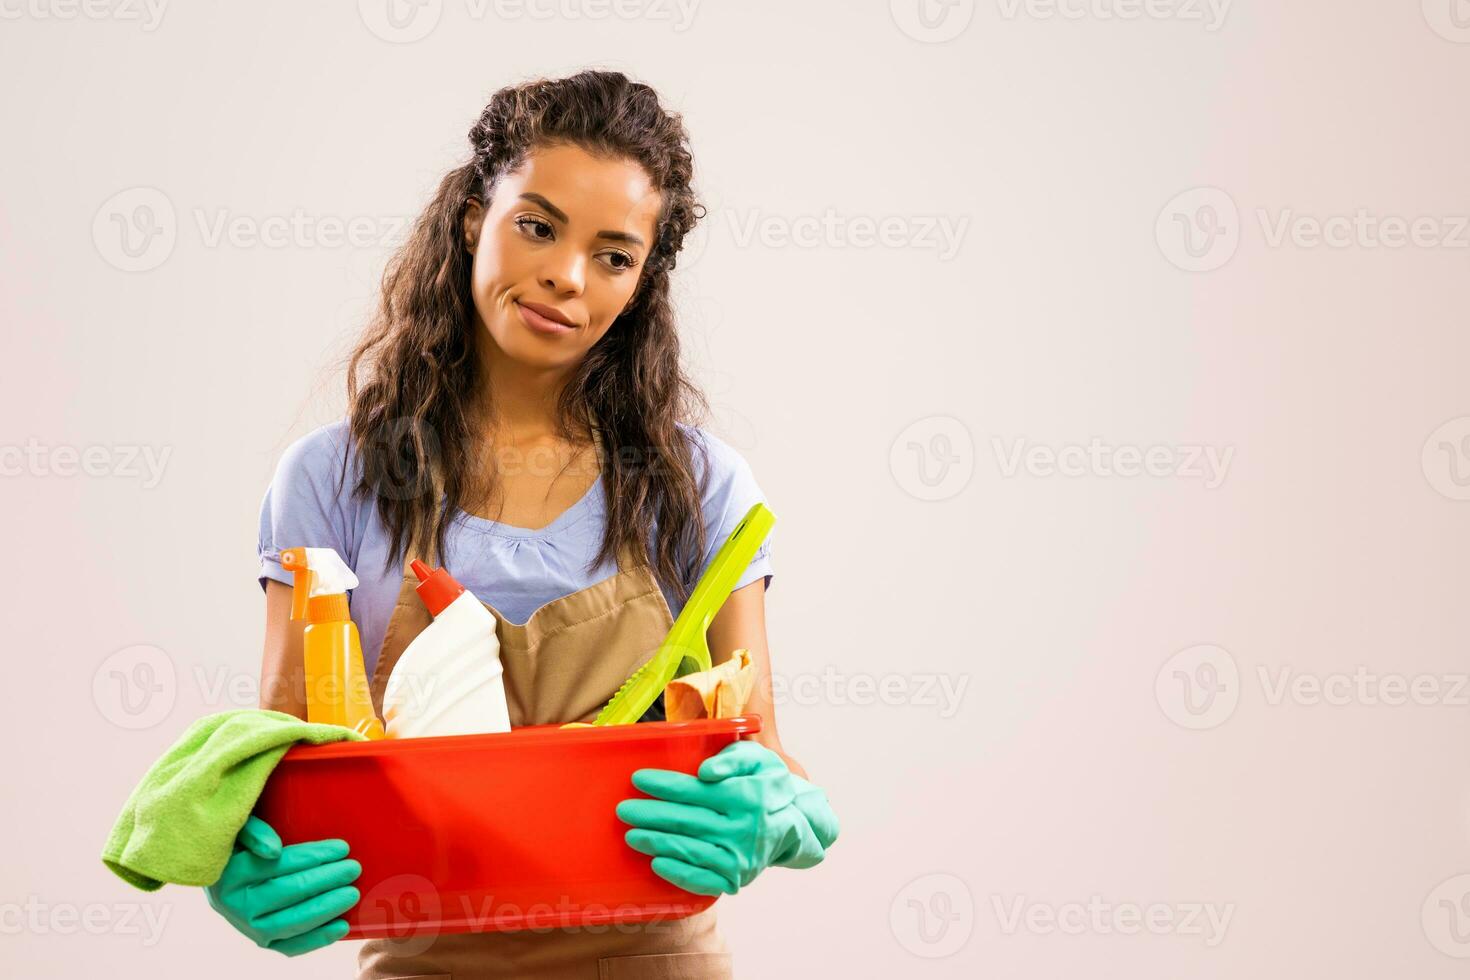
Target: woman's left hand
745, 812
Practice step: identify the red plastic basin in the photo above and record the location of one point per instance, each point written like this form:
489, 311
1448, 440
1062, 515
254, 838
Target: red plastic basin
489, 833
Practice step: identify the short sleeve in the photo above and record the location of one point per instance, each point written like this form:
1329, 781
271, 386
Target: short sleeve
729, 493
307, 503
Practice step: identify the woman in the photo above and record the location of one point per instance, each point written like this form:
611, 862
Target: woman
518, 407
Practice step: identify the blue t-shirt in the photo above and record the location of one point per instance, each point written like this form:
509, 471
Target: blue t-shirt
517, 570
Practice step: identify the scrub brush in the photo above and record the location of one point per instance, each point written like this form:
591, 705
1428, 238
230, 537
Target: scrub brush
685, 650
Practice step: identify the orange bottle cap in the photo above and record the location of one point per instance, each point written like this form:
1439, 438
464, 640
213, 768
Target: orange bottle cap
436, 587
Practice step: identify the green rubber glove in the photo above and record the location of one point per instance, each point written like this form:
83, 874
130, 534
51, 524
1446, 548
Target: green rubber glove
288, 899
744, 812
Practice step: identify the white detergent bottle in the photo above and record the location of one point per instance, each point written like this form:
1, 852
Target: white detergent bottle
449, 679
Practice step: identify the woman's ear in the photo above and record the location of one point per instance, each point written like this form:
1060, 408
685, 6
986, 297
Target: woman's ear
474, 219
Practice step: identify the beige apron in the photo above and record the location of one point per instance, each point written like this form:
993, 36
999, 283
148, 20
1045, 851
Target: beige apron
561, 666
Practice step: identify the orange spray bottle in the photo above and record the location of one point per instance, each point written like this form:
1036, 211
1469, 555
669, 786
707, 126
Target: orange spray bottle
336, 682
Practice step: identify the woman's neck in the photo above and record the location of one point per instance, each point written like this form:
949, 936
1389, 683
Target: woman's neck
518, 403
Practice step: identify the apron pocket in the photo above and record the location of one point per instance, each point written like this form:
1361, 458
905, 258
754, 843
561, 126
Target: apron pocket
667, 966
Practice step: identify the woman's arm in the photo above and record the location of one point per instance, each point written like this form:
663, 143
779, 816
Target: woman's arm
741, 623
282, 668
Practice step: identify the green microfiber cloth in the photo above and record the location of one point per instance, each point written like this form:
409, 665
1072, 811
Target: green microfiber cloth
180, 822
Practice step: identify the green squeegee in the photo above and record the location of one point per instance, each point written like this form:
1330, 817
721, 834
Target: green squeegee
684, 650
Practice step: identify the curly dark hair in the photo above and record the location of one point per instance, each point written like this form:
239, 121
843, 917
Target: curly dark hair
412, 413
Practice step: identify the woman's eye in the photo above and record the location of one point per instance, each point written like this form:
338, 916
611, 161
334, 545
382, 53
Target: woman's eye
542, 231
628, 262
537, 223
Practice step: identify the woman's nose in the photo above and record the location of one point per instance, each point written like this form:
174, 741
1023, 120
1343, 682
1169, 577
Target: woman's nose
564, 272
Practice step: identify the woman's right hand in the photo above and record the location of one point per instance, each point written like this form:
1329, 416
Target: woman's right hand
288, 899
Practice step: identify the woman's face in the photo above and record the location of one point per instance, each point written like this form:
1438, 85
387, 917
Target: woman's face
567, 233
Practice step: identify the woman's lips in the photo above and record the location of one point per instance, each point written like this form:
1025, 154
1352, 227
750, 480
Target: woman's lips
541, 324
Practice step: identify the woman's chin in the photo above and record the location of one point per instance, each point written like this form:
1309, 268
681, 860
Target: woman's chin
529, 349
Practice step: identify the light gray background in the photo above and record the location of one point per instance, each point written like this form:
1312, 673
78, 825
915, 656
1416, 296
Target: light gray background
1118, 645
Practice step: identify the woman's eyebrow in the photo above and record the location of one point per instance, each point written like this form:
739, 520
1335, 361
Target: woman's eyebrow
560, 215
